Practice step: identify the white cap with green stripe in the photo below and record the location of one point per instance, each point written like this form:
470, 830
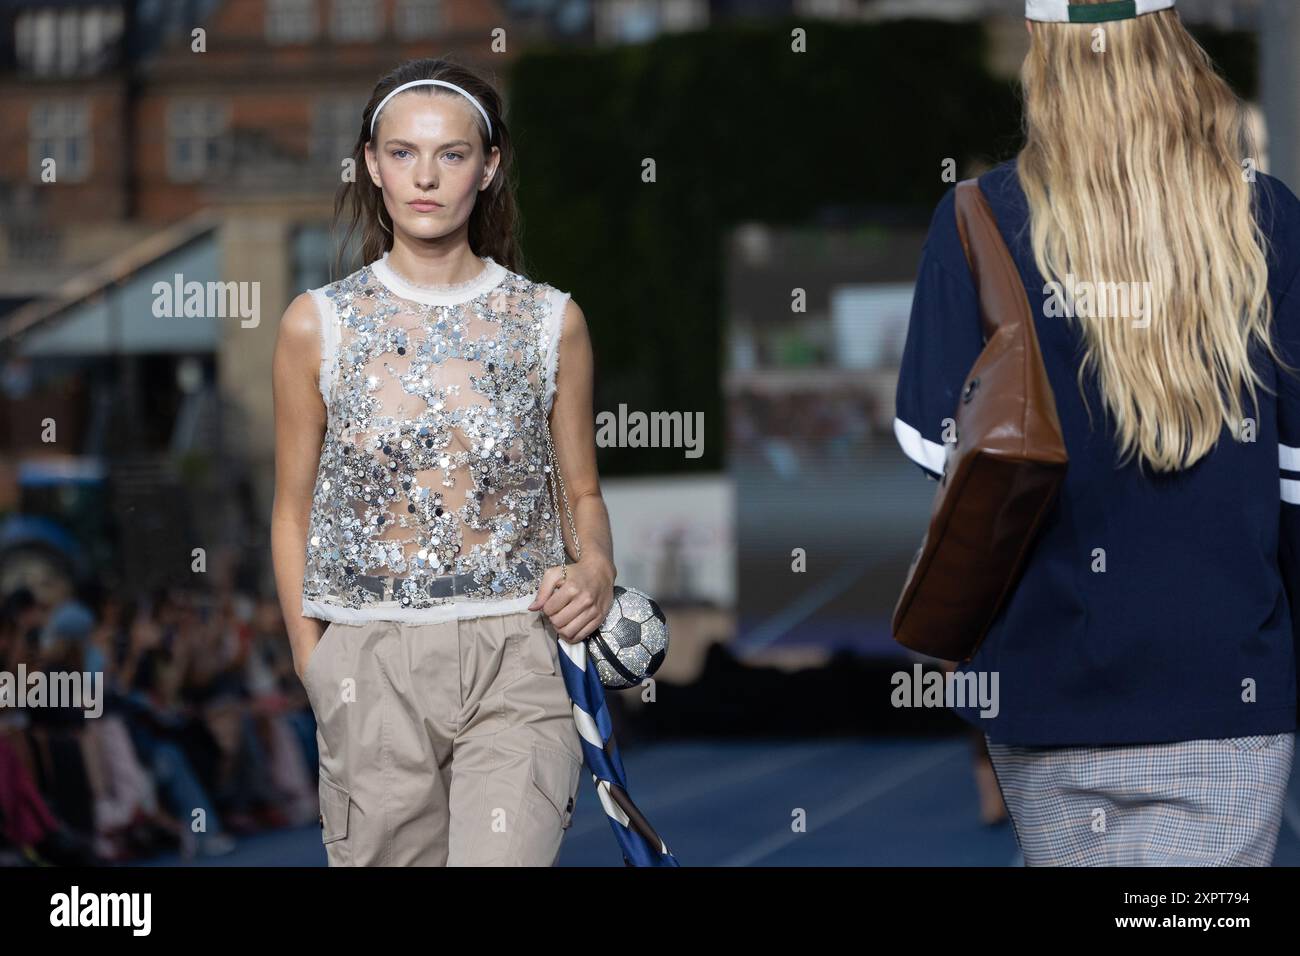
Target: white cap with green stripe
1062, 11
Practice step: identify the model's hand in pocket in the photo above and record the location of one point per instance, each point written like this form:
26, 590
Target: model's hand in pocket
303, 651
576, 603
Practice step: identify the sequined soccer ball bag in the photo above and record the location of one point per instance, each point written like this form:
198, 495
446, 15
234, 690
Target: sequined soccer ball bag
631, 642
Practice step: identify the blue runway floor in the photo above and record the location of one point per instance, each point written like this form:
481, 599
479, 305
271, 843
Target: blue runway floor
865, 802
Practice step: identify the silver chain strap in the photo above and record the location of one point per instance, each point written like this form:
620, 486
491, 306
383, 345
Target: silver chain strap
558, 478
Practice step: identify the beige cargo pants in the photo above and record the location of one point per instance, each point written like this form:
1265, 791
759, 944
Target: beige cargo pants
443, 744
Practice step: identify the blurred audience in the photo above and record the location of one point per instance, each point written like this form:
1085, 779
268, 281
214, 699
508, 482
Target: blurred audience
203, 731
798, 430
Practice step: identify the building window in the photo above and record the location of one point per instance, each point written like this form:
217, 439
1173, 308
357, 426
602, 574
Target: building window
639, 21
681, 16
36, 40
68, 45
59, 131
196, 140
335, 126
312, 256
418, 18
290, 21
353, 20
66, 42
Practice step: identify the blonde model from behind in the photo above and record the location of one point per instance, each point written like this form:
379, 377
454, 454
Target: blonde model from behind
1146, 662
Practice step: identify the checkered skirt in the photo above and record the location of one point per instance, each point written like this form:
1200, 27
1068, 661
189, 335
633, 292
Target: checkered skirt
1190, 803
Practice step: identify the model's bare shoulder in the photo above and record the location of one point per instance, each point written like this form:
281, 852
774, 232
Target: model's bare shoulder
298, 342
575, 321
574, 359
300, 325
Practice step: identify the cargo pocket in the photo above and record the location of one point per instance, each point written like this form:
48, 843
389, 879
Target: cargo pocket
546, 807
335, 808
556, 775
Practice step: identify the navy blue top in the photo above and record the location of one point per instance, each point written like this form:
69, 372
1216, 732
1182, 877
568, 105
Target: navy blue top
1187, 633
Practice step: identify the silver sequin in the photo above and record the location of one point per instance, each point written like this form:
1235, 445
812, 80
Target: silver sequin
430, 463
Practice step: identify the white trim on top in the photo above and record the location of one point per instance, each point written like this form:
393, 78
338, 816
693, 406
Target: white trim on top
492, 274
556, 303
930, 455
329, 341
329, 608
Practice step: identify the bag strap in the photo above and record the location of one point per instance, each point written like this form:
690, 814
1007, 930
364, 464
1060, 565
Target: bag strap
1001, 292
557, 477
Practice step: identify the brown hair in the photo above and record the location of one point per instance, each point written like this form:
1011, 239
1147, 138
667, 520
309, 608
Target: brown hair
492, 224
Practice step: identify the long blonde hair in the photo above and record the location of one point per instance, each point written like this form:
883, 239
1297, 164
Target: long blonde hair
1134, 172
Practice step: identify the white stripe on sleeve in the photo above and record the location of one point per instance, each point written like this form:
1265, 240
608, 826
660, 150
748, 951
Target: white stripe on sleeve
1288, 457
928, 454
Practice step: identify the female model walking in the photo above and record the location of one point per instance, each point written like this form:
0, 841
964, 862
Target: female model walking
1147, 674
412, 511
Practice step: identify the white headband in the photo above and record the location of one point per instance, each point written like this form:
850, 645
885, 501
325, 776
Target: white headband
451, 86
1062, 11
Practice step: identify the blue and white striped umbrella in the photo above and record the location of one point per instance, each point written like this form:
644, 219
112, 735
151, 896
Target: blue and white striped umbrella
640, 844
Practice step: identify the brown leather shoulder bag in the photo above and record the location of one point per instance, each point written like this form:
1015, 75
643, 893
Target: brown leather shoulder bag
1001, 475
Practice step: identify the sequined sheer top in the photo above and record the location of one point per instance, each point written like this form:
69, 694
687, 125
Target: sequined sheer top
433, 464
